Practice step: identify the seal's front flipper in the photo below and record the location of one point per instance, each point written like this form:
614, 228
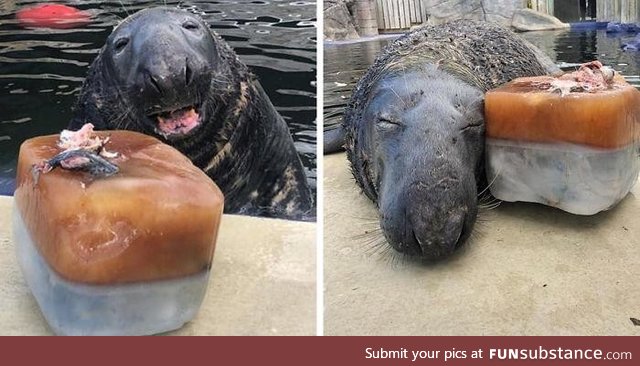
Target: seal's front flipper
333, 140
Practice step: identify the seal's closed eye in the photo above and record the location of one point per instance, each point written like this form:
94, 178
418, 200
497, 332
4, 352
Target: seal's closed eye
388, 121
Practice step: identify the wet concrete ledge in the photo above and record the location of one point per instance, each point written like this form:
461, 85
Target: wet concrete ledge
262, 281
528, 270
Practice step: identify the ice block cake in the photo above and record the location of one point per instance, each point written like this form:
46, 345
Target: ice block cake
569, 142
106, 252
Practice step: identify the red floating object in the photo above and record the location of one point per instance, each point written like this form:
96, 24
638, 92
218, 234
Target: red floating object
52, 16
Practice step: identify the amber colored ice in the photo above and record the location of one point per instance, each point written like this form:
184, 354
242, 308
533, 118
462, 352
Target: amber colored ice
127, 254
574, 150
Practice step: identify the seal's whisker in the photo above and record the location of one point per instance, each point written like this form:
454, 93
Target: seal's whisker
375, 245
483, 217
390, 257
120, 121
368, 219
477, 233
394, 259
372, 241
373, 224
398, 96
124, 8
123, 122
382, 247
404, 77
367, 234
221, 79
398, 260
487, 198
114, 92
127, 117
115, 15
491, 183
487, 202
489, 206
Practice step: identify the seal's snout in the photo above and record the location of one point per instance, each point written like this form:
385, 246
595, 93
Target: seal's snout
430, 217
166, 77
169, 77
421, 242
437, 234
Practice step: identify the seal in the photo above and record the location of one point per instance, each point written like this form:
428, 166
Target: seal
414, 129
164, 73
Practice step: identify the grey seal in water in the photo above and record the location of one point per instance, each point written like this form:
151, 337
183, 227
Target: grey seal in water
163, 72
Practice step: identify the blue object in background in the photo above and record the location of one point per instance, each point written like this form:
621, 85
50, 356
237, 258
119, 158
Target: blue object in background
633, 45
587, 25
614, 27
7, 186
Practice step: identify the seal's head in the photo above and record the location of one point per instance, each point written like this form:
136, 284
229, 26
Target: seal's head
163, 60
414, 128
418, 153
163, 72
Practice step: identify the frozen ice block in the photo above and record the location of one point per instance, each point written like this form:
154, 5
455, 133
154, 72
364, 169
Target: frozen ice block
126, 254
569, 142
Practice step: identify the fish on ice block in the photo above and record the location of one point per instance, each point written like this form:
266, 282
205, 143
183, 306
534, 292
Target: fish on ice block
569, 142
125, 250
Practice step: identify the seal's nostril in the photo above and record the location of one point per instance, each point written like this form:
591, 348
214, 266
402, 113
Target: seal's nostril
153, 83
460, 235
456, 223
415, 244
188, 74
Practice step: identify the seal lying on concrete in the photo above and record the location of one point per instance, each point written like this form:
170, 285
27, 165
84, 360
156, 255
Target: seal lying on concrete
415, 130
163, 72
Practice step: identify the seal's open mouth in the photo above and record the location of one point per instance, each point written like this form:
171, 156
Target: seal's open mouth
176, 123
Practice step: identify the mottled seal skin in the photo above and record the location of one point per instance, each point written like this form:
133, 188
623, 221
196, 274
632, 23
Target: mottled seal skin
165, 59
415, 129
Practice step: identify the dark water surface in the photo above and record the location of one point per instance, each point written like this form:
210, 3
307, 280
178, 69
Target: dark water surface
344, 63
41, 70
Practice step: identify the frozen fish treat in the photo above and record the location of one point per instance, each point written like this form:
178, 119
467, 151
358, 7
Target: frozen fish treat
569, 142
115, 231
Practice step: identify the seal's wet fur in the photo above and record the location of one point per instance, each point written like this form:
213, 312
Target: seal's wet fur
425, 172
243, 144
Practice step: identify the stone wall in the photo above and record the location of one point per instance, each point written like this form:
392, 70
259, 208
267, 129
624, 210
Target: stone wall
350, 19
499, 11
339, 23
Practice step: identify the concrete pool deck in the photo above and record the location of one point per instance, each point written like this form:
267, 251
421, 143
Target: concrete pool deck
263, 281
529, 270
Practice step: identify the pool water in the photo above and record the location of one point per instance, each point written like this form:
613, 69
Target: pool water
41, 70
345, 63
